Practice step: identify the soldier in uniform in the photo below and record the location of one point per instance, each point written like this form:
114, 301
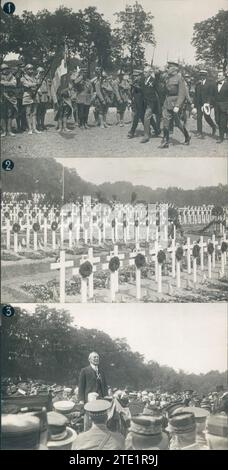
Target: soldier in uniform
175, 96
217, 431
182, 427
188, 103
94, 80
137, 101
21, 115
30, 83
42, 98
63, 106
99, 437
104, 98
8, 103
122, 91
152, 104
84, 97
73, 93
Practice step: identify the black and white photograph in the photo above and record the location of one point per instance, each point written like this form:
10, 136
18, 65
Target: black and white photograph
115, 79
154, 379
115, 230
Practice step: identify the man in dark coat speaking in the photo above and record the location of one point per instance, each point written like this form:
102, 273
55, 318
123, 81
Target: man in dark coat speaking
92, 380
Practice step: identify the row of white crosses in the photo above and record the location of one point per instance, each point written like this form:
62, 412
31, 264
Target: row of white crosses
195, 215
68, 224
156, 254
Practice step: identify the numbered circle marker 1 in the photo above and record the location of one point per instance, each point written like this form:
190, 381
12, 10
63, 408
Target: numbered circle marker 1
9, 8
8, 310
8, 165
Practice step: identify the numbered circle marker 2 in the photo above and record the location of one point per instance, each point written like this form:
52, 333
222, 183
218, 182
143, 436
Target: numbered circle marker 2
8, 165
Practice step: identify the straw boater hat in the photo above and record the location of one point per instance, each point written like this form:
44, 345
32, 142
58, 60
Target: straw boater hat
146, 433
60, 435
21, 432
64, 406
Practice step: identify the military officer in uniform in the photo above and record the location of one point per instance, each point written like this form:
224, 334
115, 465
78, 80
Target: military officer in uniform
175, 97
98, 437
122, 91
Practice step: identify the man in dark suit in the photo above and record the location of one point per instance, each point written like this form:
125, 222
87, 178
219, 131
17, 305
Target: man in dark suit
152, 104
92, 380
221, 105
204, 100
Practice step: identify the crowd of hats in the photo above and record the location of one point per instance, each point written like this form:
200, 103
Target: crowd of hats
151, 418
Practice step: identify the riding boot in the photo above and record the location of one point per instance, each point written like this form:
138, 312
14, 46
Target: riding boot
165, 143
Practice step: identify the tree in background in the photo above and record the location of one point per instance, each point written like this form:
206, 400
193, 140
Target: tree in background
210, 38
95, 42
49, 346
134, 31
39, 38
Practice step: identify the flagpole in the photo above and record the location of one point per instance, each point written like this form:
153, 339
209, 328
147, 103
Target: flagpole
63, 185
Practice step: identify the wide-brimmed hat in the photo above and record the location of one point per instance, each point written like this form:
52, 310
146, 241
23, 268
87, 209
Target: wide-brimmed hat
60, 435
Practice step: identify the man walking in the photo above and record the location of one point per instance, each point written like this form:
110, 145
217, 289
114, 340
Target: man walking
204, 100
221, 104
172, 108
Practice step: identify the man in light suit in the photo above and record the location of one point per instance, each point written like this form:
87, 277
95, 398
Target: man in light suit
221, 105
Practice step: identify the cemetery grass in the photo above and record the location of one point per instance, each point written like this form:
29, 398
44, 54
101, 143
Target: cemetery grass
39, 284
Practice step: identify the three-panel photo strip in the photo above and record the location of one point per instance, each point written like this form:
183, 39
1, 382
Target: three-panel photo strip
114, 227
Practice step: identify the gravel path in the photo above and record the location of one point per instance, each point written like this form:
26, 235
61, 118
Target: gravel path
111, 142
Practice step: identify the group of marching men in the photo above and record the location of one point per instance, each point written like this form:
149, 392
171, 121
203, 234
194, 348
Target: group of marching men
154, 97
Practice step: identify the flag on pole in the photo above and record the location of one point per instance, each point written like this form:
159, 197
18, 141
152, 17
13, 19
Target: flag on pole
57, 81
